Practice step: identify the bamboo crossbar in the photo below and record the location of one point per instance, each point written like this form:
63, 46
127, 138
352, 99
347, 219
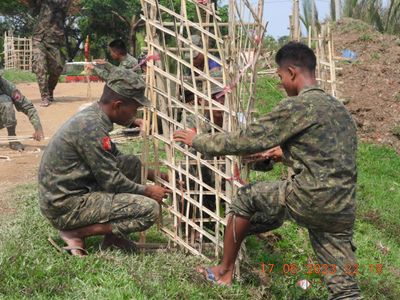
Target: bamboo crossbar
181, 242
194, 157
183, 20
195, 226
181, 39
198, 181
188, 65
193, 90
238, 54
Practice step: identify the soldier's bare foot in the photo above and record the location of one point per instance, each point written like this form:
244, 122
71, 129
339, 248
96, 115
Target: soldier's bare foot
75, 244
17, 146
112, 240
217, 274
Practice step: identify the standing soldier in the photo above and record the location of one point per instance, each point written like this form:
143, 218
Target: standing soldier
319, 143
48, 38
10, 97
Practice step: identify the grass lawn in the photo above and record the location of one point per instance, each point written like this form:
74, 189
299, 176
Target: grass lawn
19, 76
31, 268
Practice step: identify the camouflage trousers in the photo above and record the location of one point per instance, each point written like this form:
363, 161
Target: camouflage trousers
7, 112
126, 213
48, 64
264, 205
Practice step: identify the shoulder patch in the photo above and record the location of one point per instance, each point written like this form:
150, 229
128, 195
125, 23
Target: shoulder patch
106, 142
16, 95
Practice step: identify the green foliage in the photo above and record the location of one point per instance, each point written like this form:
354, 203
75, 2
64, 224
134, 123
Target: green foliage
267, 95
383, 18
18, 76
31, 268
307, 17
379, 188
270, 44
375, 56
365, 38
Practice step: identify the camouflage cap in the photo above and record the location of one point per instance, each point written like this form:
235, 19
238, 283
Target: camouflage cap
128, 84
196, 40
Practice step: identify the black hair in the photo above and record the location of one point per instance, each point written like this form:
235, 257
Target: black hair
119, 46
297, 54
109, 95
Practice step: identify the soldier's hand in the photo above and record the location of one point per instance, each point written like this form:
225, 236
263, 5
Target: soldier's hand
100, 61
275, 153
38, 135
185, 136
156, 192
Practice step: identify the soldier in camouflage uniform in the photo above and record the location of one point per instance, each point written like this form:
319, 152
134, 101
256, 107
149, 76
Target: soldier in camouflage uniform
48, 38
86, 186
10, 97
319, 143
119, 53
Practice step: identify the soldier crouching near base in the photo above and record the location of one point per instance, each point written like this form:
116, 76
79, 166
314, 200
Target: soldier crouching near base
319, 143
86, 186
11, 99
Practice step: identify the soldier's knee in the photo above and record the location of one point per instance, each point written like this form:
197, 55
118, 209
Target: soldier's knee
6, 101
7, 111
153, 211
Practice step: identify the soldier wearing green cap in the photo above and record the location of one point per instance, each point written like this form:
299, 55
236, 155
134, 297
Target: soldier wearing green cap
86, 185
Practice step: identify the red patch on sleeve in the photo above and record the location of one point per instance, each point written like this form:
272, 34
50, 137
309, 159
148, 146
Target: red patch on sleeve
106, 142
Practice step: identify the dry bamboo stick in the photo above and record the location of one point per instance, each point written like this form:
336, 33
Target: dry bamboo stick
181, 18
181, 38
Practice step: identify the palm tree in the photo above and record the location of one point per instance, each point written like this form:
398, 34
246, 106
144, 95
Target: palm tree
309, 16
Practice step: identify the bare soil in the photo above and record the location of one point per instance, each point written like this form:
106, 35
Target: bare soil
371, 83
22, 167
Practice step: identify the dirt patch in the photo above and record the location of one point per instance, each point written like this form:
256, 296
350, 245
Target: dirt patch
372, 82
22, 167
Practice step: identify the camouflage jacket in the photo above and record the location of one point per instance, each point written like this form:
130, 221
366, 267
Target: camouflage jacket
50, 21
22, 105
80, 159
318, 138
128, 62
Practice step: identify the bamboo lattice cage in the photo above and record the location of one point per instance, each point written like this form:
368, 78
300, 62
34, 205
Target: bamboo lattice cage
17, 52
193, 221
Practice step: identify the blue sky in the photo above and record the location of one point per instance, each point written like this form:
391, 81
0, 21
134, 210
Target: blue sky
277, 14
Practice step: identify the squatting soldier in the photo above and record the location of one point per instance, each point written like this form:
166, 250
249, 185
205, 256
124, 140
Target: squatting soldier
318, 139
10, 97
48, 38
118, 52
86, 186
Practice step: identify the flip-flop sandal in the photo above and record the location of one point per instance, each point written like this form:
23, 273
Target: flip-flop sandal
68, 249
208, 275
